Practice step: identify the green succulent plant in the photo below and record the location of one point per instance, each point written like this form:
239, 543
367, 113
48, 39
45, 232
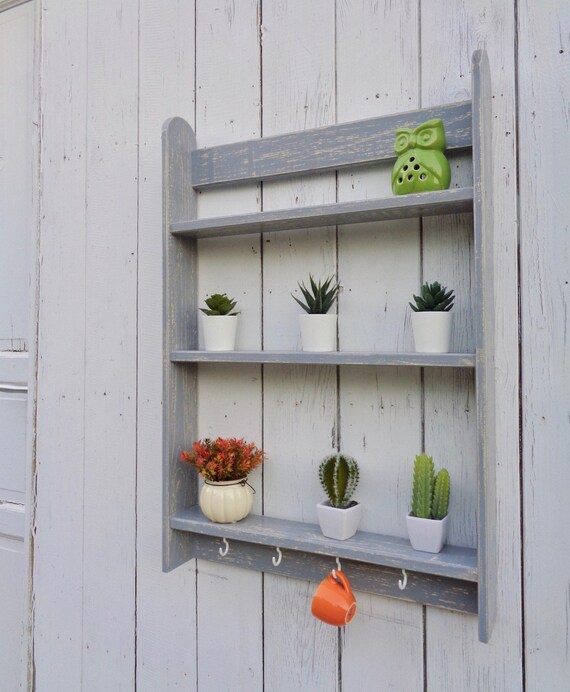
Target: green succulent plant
434, 298
320, 298
430, 494
219, 304
339, 475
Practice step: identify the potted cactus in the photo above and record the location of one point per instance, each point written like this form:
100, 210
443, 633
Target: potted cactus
219, 323
431, 318
427, 520
339, 516
318, 329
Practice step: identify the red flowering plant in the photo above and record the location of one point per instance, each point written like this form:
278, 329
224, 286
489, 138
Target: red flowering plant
223, 459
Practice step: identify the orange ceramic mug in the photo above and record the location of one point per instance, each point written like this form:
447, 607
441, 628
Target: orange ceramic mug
334, 602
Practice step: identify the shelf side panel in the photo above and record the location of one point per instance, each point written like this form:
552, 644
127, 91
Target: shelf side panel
484, 338
179, 317
327, 148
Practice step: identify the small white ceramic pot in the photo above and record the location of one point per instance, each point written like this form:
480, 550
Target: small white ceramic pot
339, 523
432, 331
427, 535
219, 332
226, 501
318, 332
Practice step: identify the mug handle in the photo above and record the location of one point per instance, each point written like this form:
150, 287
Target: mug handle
340, 578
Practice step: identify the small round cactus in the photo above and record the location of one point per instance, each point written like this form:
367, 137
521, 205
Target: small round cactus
339, 475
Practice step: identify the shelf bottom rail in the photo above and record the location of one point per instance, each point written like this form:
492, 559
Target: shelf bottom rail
222, 543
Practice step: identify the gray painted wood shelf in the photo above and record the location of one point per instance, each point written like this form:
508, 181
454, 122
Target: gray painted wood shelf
458, 578
454, 201
374, 561
421, 360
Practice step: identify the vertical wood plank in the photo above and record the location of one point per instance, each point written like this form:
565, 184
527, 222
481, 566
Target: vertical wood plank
18, 168
229, 599
58, 558
166, 604
459, 660
110, 347
544, 97
380, 408
299, 403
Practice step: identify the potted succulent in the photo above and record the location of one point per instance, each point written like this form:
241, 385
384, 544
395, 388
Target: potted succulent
219, 323
431, 318
318, 329
339, 516
224, 463
427, 520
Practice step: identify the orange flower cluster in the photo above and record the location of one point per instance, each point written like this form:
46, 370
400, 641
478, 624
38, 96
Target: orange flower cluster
223, 459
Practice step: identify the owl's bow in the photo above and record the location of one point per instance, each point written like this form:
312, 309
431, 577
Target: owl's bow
428, 135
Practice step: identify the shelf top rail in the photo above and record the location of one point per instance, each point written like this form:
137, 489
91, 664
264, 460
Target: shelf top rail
326, 148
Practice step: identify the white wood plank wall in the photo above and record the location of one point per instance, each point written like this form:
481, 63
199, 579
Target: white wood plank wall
105, 616
544, 100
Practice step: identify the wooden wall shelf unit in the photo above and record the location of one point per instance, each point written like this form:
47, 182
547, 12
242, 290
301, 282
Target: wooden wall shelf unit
457, 578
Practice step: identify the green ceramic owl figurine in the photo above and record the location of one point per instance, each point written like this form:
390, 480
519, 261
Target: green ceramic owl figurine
421, 165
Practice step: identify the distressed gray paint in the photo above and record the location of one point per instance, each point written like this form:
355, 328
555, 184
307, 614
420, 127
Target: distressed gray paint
372, 548
484, 341
452, 201
421, 587
180, 327
326, 148
340, 146
438, 360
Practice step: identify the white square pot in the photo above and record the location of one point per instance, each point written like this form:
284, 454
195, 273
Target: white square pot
339, 523
219, 332
432, 331
427, 535
318, 332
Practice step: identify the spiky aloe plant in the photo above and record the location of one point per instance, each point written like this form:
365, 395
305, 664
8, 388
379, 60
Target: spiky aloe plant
319, 299
219, 304
434, 298
339, 475
430, 494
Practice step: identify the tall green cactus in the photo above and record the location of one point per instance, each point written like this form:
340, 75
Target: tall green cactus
441, 494
430, 494
423, 486
339, 475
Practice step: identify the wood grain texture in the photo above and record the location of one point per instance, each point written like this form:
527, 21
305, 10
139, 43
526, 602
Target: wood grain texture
380, 412
299, 403
433, 590
333, 147
229, 599
166, 607
544, 95
373, 548
458, 661
364, 211
111, 200
58, 564
180, 385
438, 360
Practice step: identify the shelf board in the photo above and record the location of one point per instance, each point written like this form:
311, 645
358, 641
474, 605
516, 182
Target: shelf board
454, 201
438, 360
370, 548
